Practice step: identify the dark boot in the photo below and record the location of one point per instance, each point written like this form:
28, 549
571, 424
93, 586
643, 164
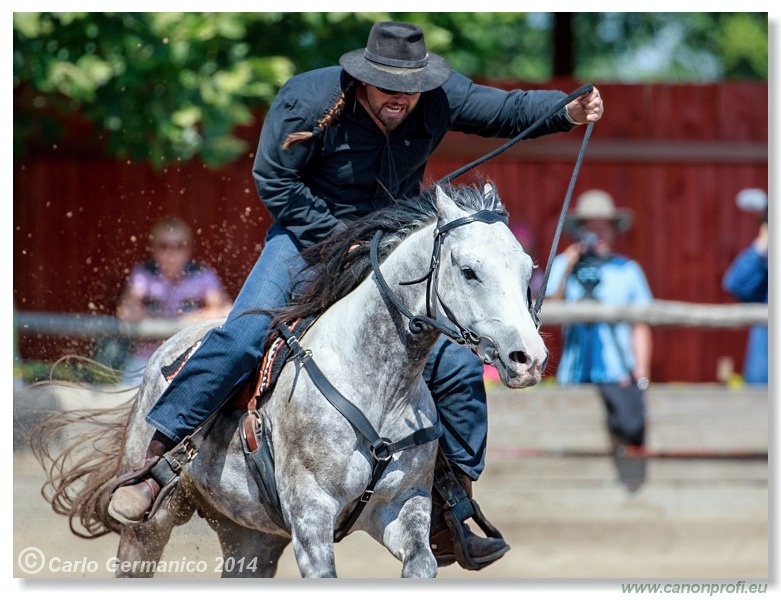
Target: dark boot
451, 539
138, 490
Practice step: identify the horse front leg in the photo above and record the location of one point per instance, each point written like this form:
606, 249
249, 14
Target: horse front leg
407, 537
312, 531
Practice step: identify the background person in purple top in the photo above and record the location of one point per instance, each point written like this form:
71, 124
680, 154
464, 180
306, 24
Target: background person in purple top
170, 285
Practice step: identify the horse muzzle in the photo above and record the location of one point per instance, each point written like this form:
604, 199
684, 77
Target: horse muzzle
519, 369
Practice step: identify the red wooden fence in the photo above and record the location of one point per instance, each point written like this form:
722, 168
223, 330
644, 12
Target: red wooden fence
676, 154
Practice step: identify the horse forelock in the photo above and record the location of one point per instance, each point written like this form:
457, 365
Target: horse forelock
339, 264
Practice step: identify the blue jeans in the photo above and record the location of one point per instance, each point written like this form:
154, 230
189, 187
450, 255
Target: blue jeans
229, 354
454, 376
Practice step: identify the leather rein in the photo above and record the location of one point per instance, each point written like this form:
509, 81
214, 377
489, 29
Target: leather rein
535, 310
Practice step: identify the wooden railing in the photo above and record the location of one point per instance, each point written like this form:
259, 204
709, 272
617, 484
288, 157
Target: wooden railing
658, 314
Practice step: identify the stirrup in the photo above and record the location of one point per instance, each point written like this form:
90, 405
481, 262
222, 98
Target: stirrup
164, 472
457, 508
456, 527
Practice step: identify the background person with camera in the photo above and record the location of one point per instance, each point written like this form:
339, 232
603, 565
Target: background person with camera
614, 356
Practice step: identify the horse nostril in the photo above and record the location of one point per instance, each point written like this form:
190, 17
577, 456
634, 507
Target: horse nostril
519, 357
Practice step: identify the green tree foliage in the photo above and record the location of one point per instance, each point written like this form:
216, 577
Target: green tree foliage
158, 86
671, 47
167, 87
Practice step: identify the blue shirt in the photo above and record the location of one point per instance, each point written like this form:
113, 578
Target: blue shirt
591, 353
747, 280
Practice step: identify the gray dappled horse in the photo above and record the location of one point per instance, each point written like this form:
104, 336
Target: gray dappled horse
477, 282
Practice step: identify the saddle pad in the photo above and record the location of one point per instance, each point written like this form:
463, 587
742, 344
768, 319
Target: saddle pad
172, 370
277, 354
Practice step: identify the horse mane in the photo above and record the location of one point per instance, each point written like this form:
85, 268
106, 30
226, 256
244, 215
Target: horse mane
338, 264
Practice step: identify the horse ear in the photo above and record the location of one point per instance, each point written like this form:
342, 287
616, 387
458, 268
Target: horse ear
446, 208
490, 195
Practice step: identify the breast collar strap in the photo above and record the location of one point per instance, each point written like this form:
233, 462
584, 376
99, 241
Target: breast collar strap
482, 345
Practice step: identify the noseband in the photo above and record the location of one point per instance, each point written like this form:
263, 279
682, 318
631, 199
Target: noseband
483, 346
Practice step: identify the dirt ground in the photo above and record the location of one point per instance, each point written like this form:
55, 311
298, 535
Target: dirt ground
547, 548
568, 518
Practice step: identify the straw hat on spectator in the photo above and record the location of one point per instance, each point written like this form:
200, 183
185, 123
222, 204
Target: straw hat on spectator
598, 204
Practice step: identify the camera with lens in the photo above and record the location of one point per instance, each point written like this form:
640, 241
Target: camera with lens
586, 270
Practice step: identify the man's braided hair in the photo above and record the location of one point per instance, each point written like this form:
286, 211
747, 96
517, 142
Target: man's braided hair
325, 121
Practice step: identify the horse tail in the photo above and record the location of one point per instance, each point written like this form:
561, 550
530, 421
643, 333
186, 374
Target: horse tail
81, 452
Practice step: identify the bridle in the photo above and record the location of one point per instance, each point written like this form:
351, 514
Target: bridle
483, 346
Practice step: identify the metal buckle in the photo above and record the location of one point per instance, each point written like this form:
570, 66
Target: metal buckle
472, 339
455, 499
190, 449
381, 458
175, 465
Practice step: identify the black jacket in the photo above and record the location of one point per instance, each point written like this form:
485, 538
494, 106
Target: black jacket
333, 177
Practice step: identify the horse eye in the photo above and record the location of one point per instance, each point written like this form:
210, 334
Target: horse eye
468, 273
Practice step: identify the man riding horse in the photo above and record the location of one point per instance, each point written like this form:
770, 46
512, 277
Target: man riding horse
339, 143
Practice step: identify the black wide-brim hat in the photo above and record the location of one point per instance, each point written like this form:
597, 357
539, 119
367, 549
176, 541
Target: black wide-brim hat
396, 58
